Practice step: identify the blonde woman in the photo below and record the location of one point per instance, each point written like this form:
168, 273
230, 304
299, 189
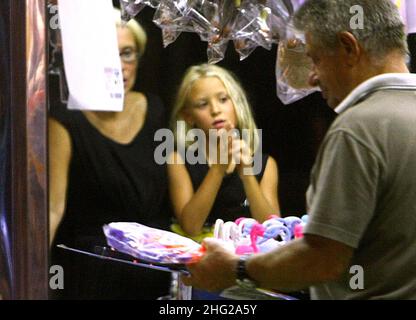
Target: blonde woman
212, 102
101, 171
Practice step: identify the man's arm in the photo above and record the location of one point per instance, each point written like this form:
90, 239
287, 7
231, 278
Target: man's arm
300, 264
297, 265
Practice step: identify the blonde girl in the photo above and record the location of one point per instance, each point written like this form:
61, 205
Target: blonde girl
210, 100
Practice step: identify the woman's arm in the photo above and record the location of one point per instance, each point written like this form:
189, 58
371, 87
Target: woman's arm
59, 159
262, 196
192, 208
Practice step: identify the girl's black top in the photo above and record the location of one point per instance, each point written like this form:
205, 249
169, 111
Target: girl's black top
231, 202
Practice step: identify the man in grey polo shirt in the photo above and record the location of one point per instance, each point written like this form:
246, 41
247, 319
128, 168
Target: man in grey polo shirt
360, 241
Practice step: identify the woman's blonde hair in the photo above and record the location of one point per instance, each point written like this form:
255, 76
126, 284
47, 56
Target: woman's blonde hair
136, 29
244, 115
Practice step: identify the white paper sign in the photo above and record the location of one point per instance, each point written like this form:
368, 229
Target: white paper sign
408, 12
411, 15
91, 57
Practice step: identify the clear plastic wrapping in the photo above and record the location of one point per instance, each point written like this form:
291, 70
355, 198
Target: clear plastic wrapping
252, 28
171, 16
212, 21
293, 69
247, 23
150, 244
130, 8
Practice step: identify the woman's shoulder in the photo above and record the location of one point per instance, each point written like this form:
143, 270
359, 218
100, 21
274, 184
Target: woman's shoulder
67, 118
59, 137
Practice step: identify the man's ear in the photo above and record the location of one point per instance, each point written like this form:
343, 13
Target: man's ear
350, 47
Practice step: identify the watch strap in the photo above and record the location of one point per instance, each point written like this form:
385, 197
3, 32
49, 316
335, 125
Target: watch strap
243, 278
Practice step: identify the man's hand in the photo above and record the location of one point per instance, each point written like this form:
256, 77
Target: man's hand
216, 270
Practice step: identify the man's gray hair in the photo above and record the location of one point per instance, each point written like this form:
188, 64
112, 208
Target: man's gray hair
382, 31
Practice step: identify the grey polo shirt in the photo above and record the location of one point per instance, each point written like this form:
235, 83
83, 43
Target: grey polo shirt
363, 190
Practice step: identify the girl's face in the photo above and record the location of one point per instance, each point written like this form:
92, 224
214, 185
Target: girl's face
128, 55
209, 106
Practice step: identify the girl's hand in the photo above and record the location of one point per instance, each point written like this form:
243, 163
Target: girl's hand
242, 156
224, 155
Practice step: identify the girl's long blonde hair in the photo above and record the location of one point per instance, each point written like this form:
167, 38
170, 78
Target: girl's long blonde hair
244, 114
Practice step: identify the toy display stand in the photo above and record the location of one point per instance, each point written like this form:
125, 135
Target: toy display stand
178, 290
107, 253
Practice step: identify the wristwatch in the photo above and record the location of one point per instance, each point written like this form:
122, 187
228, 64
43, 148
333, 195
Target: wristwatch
243, 279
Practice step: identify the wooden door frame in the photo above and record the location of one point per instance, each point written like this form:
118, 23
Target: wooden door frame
28, 150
